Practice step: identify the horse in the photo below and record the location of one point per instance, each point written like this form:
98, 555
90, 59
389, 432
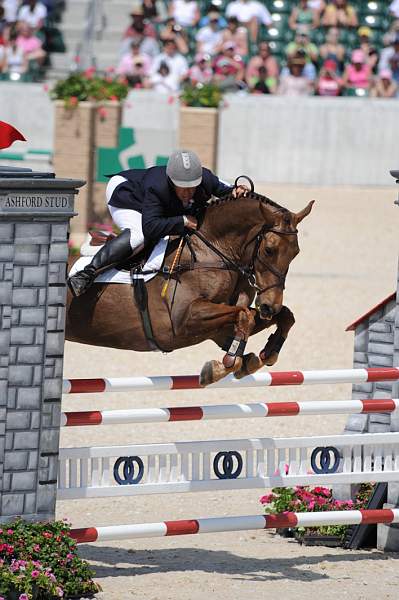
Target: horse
240, 253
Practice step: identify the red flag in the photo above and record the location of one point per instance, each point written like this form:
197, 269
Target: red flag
8, 135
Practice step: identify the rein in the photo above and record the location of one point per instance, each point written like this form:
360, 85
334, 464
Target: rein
248, 272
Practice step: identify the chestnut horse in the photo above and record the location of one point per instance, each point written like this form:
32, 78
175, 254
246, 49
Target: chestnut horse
243, 253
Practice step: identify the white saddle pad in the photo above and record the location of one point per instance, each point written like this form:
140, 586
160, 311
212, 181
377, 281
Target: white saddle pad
154, 263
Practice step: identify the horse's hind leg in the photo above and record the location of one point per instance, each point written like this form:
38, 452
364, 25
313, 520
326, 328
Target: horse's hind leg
205, 318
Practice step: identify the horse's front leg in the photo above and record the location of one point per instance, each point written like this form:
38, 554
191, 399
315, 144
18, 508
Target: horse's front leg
206, 317
269, 354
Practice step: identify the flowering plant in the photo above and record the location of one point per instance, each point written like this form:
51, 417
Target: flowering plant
317, 499
89, 85
39, 561
205, 95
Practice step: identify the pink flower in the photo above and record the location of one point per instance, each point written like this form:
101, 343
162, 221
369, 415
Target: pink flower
45, 87
114, 98
90, 72
322, 491
47, 535
10, 531
102, 113
171, 99
77, 59
267, 499
35, 574
23, 597
36, 547
60, 592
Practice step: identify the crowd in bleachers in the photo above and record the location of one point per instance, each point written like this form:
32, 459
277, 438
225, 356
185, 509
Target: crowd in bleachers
287, 47
25, 26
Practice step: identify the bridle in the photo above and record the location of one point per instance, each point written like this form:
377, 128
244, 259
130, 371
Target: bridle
248, 271
281, 276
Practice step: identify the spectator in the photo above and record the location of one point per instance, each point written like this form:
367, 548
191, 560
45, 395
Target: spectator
15, 62
209, 38
394, 65
176, 63
249, 13
371, 53
357, 74
213, 10
226, 77
305, 47
154, 10
338, 13
332, 50
30, 45
264, 59
185, 12
137, 20
148, 45
259, 83
33, 13
294, 83
302, 14
394, 9
134, 64
201, 71
237, 34
229, 63
173, 31
329, 83
3, 24
317, 5
163, 81
387, 54
384, 87
10, 10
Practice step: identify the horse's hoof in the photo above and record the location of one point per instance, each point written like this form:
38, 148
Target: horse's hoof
269, 360
228, 361
250, 364
207, 373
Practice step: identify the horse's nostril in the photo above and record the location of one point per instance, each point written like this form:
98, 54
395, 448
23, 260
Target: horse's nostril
266, 310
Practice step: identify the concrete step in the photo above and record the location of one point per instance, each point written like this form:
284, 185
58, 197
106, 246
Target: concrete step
64, 62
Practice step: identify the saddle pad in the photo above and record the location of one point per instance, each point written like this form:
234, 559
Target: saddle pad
154, 262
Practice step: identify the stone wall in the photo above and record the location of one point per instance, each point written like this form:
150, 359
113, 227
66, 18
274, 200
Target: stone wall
34, 218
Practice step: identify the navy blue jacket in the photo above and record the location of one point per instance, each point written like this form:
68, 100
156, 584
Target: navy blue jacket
151, 192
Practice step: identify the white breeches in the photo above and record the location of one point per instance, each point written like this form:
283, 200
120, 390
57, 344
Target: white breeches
125, 218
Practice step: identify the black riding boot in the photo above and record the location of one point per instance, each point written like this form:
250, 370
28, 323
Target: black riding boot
112, 253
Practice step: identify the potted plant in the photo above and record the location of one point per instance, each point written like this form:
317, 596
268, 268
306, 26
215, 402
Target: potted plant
199, 120
87, 115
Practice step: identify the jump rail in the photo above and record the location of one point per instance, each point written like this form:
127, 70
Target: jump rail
228, 411
243, 523
191, 382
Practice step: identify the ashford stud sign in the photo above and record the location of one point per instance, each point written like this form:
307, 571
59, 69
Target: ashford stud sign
44, 202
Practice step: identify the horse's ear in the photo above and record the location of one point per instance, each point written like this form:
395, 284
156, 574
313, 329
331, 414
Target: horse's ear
304, 212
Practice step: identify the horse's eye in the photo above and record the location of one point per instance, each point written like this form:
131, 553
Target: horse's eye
269, 251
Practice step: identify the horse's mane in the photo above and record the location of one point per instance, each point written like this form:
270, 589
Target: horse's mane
254, 196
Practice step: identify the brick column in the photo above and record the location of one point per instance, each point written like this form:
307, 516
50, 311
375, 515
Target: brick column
35, 210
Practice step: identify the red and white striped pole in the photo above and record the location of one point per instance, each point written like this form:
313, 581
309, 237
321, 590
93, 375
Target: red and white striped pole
228, 411
243, 523
191, 382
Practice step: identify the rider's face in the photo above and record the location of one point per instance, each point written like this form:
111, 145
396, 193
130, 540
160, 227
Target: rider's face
185, 194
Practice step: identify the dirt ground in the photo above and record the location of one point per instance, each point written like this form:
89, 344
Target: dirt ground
347, 264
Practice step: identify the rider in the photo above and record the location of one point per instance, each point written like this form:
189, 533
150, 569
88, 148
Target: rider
148, 204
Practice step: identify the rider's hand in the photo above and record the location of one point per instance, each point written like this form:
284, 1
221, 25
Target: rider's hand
240, 191
190, 222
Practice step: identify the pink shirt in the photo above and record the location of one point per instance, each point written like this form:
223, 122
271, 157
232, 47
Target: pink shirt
128, 66
361, 78
28, 44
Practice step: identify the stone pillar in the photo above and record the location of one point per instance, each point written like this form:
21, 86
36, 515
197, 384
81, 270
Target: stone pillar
35, 210
198, 131
388, 535
73, 156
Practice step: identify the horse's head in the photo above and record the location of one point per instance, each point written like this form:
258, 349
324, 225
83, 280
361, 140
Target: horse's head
273, 248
